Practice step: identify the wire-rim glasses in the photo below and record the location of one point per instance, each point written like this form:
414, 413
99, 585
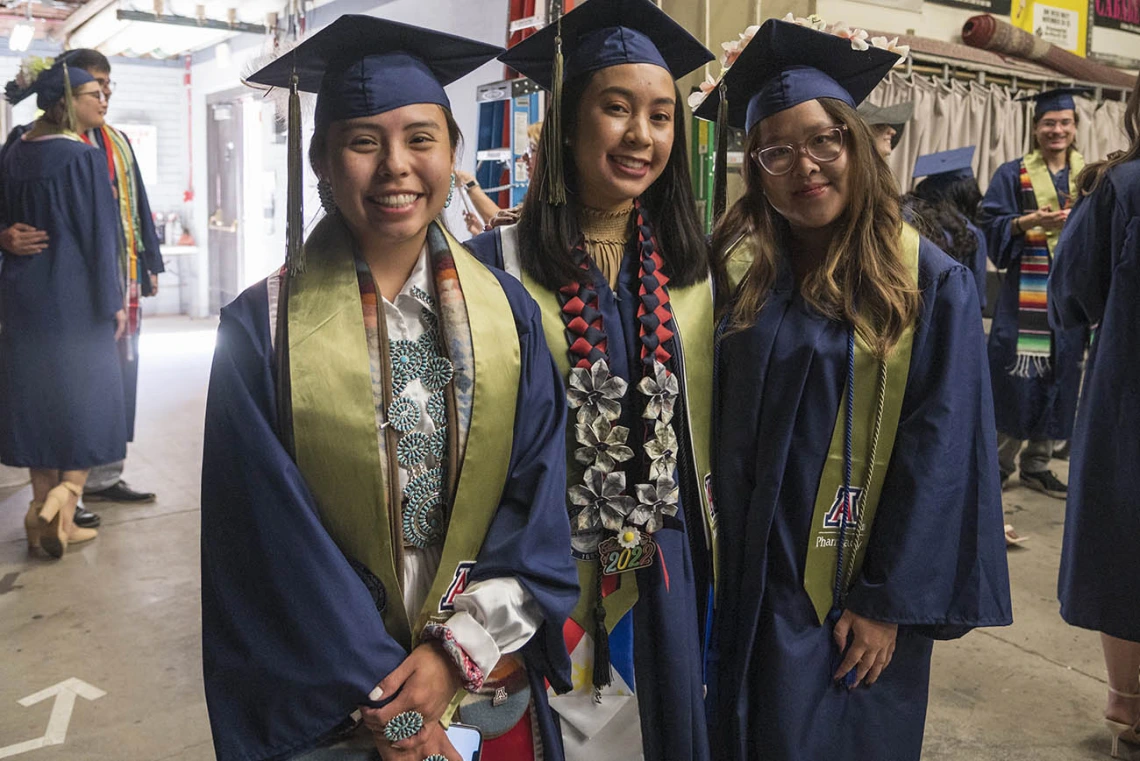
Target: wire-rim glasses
824, 146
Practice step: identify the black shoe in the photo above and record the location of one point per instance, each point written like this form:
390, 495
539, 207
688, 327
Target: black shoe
84, 518
119, 492
1061, 451
1046, 483
1005, 481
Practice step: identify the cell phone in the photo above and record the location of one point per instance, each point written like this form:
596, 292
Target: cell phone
468, 741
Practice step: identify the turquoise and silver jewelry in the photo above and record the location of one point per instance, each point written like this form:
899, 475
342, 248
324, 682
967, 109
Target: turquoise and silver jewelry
436, 373
436, 757
450, 192
407, 359
403, 414
413, 449
403, 725
437, 408
423, 509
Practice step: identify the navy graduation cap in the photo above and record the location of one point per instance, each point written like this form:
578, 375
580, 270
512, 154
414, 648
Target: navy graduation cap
951, 165
1057, 99
52, 84
604, 33
362, 66
786, 64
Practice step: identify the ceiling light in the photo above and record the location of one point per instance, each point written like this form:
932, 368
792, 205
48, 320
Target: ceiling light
21, 37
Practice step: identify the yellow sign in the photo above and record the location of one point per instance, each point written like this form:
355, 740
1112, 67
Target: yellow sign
1064, 23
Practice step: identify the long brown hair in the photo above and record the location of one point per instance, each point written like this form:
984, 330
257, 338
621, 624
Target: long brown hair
1092, 174
863, 279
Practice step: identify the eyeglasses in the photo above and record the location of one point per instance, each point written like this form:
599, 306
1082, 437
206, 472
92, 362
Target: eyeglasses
824, 146
108, 85
1054, 123
98, 94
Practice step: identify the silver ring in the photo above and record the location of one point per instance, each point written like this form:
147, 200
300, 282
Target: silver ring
436, 757
404, 725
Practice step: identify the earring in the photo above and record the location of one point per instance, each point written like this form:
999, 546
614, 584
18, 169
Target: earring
324, 192
450, 192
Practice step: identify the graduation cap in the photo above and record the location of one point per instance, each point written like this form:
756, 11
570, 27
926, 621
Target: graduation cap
897, 116
593, 36
949, 165
786, 64
49, 85
1057, 99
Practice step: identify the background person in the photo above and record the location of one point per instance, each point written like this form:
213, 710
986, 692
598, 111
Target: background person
61, 310
1035, 370
887, 124
1093, 284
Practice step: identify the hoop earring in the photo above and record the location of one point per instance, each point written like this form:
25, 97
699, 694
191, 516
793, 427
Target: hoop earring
324, 192
450, 192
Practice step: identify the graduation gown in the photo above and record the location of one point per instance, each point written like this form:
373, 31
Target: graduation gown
60, 381
1094, 282
292, 637
980, 258
1027, 408
935, 561
667, 664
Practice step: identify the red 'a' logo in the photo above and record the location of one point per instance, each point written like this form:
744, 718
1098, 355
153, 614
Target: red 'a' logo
847, 504
458, 584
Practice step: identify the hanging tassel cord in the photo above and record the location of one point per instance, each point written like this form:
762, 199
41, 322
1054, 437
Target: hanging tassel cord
720, 162
555, 179
294, 221
602, 672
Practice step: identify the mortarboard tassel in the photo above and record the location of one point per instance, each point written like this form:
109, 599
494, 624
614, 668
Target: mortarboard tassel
555, 179
69, 102
720, 163
603, 676
294, 219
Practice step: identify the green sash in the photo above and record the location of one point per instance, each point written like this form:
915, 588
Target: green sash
334, 419
822, 550
693, 317
1046, 191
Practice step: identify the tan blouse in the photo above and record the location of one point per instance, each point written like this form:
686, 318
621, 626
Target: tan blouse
606, 234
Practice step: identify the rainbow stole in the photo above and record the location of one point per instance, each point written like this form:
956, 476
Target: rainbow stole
1034, 339
120, 167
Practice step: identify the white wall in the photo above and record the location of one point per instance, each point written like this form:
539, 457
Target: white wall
484, 20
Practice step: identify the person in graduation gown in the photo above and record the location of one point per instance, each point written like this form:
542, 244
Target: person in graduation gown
382, 521
949, 185
1092, 285
887, 123
854, 477
61, 310
610, 247
1035, 371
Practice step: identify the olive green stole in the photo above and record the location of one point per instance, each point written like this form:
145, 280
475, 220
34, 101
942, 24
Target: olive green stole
1046, 191
334, 417
693, 317
879, 389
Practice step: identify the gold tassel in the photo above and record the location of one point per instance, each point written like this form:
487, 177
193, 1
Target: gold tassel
69, 103
555, 180
294, 209
720, 163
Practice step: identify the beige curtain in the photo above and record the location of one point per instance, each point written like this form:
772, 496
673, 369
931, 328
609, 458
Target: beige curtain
956, 114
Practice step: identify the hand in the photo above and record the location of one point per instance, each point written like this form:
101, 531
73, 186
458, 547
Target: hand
120, 323
23, 240
474, 224
435, 740
154, 285
426, 681
463, 178
1049, 219
871, 648
505, 217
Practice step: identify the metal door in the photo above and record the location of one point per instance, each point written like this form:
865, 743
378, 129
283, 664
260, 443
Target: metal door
224, 149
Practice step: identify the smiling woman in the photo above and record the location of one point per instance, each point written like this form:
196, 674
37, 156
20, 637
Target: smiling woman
383, 526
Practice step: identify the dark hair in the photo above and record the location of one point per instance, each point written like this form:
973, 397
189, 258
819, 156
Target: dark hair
941, 223
1092, 174
319, 143
961, 193
551, 232
89, 59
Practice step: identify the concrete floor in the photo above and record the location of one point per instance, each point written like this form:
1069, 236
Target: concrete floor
122, 615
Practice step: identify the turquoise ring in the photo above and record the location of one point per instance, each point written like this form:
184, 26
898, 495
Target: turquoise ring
404, 725
436, 757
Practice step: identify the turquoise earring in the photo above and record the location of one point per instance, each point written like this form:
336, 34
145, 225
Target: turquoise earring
450, 192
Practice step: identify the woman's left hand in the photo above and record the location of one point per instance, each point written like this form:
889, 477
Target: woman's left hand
426, 681
120, 323
871, 649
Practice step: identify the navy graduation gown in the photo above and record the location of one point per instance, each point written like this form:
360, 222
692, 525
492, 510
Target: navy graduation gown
61, 392
292, 640
1027, 408
1094, 281
935, 562
667, 648
980, 258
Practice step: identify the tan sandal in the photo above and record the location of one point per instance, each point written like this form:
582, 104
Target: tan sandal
56, 516
1012, 538
32, 525
1129, 733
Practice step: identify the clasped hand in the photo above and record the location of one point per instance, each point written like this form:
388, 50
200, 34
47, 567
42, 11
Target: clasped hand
425, 682
869, 647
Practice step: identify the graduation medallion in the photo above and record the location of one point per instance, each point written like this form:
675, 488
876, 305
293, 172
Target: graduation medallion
630, 550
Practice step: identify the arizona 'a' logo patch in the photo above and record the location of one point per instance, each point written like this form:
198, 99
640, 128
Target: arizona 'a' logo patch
847, 502
458, 584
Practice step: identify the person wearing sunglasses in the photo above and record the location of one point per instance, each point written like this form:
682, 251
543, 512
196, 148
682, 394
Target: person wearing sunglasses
858, 504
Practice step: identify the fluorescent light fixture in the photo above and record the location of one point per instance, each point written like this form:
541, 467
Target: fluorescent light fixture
21, 37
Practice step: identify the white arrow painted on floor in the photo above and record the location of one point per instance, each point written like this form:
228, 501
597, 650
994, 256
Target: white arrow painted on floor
65, 694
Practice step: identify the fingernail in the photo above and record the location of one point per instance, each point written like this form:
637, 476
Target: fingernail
376, 694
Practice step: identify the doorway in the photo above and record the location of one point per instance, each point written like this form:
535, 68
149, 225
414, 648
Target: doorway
224, 140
